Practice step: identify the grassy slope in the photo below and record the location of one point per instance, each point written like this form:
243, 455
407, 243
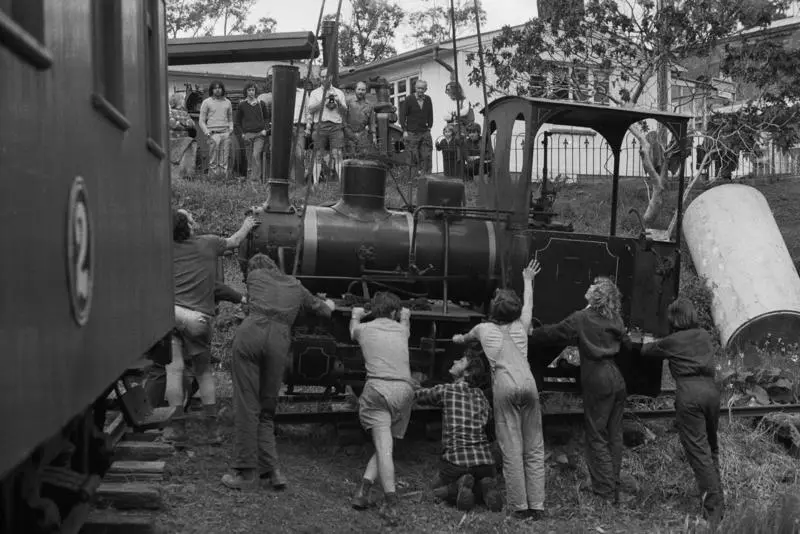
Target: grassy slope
756, 472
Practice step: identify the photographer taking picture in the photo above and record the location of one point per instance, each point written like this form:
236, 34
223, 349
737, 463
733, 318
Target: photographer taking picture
325, 121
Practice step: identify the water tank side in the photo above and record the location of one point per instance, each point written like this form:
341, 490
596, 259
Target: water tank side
735, 243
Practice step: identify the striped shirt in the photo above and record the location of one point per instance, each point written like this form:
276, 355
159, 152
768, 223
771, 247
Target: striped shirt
465, 413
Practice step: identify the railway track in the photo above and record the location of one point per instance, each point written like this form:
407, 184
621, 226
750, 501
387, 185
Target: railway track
129, 495
299, 409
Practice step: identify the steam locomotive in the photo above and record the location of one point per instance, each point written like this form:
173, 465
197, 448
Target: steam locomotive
446, 259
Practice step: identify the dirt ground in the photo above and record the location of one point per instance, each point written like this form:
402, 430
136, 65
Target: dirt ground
323, 476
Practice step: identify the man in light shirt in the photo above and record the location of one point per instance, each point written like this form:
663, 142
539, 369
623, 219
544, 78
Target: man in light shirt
325, 120
216, 121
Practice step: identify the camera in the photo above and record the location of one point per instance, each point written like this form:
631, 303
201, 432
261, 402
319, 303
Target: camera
331, 103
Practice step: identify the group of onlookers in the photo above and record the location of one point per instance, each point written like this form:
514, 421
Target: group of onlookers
329, 126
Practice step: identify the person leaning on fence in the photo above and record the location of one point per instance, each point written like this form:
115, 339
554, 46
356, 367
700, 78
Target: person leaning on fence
472, 147
195, 273
459, 112
451, 150
416, 119
466, 469
182, 145
216, 121
260, 358
384, 407
690, 353
517, 408
253, 120
598, 332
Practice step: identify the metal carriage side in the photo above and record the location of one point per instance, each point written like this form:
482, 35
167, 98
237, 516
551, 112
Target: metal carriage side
85, 207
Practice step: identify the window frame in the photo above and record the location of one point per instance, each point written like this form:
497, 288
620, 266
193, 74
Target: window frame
154, 52
17, 35
108, 97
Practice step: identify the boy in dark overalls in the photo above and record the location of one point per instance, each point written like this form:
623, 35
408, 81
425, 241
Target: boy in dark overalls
690, 354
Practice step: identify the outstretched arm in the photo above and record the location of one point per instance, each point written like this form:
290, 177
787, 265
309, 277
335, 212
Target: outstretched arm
234, 240
472, 335
320, 306
528, 275
430, 396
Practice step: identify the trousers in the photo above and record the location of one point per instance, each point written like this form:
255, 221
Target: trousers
697, 419
603, 408
260, 358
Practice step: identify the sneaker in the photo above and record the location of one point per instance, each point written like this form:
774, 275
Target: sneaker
465, 500
492, 497
239, 481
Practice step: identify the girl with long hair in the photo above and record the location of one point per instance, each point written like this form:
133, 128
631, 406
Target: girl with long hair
598, 331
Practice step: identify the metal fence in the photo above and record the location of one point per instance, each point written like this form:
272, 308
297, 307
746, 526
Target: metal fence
576, 155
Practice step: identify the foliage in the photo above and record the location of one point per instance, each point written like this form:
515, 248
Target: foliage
202, 18
433, 24
370, 32
614, 51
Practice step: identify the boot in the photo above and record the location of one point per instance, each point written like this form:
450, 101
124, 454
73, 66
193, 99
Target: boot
465, 499
276, 478
389, 509
213, 435
492, 497
361, 500
241, 479
175, 432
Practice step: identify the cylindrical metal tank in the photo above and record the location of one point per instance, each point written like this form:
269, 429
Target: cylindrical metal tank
736, 245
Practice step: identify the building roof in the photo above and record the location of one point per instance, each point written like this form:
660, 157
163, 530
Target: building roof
242, 48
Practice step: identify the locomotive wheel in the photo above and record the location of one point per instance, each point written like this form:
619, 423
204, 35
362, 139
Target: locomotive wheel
50, 490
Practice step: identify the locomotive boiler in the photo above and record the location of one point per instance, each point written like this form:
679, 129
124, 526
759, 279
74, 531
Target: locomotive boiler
446, 258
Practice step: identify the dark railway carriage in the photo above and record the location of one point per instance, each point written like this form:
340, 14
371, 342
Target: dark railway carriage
87, 250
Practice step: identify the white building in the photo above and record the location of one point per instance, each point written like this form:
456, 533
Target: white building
572, 152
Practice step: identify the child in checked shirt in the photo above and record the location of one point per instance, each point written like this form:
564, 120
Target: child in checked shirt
467, 468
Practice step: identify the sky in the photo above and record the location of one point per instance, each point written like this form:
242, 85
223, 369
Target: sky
291, 18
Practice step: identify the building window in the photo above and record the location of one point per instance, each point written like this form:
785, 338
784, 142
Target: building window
401, 89
155, 83
601, 86
538, 84
684, 99
581, 90
109, 94
559, 88
22, 31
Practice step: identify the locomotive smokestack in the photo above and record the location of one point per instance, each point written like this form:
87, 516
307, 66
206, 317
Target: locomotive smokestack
284, 84
363, 189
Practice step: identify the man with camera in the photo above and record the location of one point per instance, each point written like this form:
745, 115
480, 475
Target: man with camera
325, 121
